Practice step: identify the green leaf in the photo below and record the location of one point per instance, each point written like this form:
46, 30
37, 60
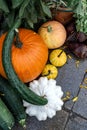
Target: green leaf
32, 13
23, 7
10, 18
72, 3
78, 9
27, 19
16, 3
30, 23
45, 9
3, 6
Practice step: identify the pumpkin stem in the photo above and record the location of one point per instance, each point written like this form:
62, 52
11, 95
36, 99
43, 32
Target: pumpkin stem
18, 42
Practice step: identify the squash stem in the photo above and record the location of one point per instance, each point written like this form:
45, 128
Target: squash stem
18, 42
22, 123
60, 53
49, 71
49, 28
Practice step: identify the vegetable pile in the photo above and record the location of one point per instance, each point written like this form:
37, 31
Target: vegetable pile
31, 44
69, 13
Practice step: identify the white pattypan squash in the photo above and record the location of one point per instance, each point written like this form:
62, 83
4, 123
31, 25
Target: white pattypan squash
51, 91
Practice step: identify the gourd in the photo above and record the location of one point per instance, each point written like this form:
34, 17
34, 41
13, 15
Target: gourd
13, 78
53, 33
49, 89
58, 57
29, 54
50, 71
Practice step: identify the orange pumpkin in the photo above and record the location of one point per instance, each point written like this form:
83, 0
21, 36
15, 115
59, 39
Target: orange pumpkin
53, 33
28, 59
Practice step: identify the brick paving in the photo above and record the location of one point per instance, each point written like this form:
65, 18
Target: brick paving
74, 114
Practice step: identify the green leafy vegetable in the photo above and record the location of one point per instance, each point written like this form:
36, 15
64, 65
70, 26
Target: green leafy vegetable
3, 6
10, 19
30, 11
45, 8
23, 7
16, 3
81, 17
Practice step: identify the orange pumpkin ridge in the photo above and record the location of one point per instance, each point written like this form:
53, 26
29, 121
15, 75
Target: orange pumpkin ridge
29, 60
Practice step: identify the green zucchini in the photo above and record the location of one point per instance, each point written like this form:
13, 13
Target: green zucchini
6, 118
12, 100
14, 80
3, 125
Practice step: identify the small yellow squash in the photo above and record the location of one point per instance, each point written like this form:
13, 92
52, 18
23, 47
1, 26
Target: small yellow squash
50, 71
58, 57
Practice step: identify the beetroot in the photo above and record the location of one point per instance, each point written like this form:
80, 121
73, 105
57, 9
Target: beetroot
80, 50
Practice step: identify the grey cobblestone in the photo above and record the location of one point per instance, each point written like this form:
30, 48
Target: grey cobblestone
76, 123
56, 123
70, 77
80, 107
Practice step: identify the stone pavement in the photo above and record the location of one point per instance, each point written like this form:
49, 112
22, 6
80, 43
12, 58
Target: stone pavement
73, 116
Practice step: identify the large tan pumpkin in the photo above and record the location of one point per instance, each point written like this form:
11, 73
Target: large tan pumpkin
28, 59
53, 33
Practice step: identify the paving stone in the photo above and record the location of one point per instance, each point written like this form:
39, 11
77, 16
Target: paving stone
80, 107
76, 123
70, 77
56, 123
